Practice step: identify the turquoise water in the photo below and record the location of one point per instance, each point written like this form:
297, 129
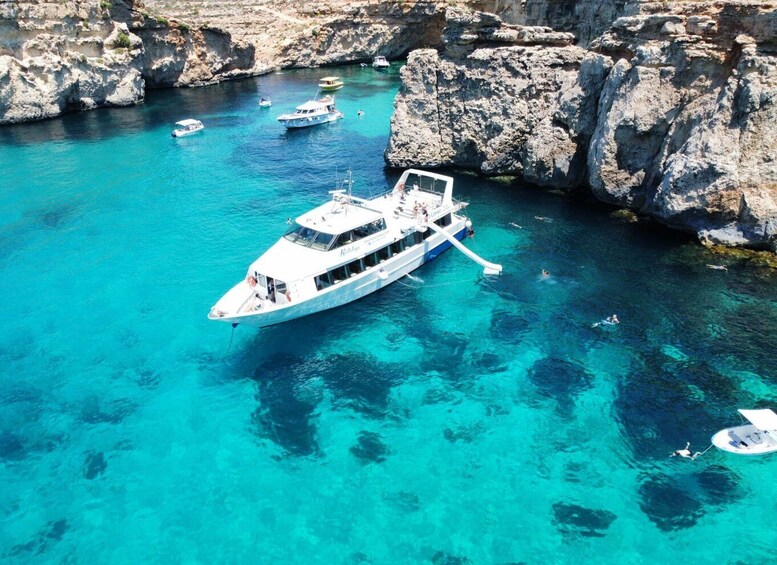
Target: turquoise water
452, 419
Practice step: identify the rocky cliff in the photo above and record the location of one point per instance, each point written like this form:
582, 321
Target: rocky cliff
669, 112
56, 56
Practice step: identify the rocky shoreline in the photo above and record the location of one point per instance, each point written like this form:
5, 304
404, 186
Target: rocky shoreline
664, 108
668, 113
62, 56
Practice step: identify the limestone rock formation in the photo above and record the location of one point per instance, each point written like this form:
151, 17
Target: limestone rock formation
668, 113
56, 56
287, 33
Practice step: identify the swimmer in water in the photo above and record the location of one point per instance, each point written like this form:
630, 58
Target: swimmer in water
515, 225
614, 319
685, 452
717, 267
545, 274
360, 113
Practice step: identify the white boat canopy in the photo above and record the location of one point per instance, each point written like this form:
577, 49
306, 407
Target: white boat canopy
184, 123
764, 420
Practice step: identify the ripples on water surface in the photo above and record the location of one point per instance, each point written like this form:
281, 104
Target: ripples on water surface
452, 420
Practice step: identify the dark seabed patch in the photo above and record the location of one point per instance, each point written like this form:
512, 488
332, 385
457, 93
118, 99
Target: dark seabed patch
403, 500
466, 434
508, 327
443, 558
11, 447
488, 362
94, 464
281, 416
576, 519
668, 506
57, 217
52, 532
95, 411
359, 382
369, 448
720, 485
660, 412
560, 379
751, 335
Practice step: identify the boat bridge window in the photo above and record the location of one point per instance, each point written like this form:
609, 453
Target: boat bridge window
308, 237
354, 235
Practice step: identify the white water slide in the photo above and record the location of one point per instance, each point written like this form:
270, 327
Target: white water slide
488, 267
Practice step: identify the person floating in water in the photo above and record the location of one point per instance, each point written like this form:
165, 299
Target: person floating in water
608, 321
717, 267
515, 225
685, 452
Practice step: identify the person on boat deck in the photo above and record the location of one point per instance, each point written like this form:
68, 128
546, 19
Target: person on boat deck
271, 289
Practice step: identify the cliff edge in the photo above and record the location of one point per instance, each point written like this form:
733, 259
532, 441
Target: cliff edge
57, 56
669, 112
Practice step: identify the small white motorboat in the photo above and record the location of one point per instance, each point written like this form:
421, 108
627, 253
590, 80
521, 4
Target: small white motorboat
187, 127
756, 438
312, 113
265, 102
380, 63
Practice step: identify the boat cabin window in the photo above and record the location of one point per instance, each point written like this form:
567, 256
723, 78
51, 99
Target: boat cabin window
355, 267
323, 281
384, 253
397, 247
444, 221
338, 274
371, 260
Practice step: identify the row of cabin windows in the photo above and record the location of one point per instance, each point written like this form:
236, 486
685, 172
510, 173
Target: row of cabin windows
334, 276
309, 237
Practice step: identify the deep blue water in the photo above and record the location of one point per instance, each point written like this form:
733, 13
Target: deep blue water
452, 419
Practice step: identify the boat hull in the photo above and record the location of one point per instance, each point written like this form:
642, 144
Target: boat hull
184, 133
353, 289
330, 88
306, 122
744, 440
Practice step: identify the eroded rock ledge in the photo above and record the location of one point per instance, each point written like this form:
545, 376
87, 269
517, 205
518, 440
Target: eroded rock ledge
670, 112
56, 56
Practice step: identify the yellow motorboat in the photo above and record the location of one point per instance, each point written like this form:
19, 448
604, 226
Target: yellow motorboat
328, 84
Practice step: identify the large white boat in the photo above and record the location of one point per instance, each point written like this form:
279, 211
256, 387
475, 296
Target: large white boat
756, 438
348, 248
380, 63
312, 113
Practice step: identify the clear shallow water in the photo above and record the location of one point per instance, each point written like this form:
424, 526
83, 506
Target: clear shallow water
451, 420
